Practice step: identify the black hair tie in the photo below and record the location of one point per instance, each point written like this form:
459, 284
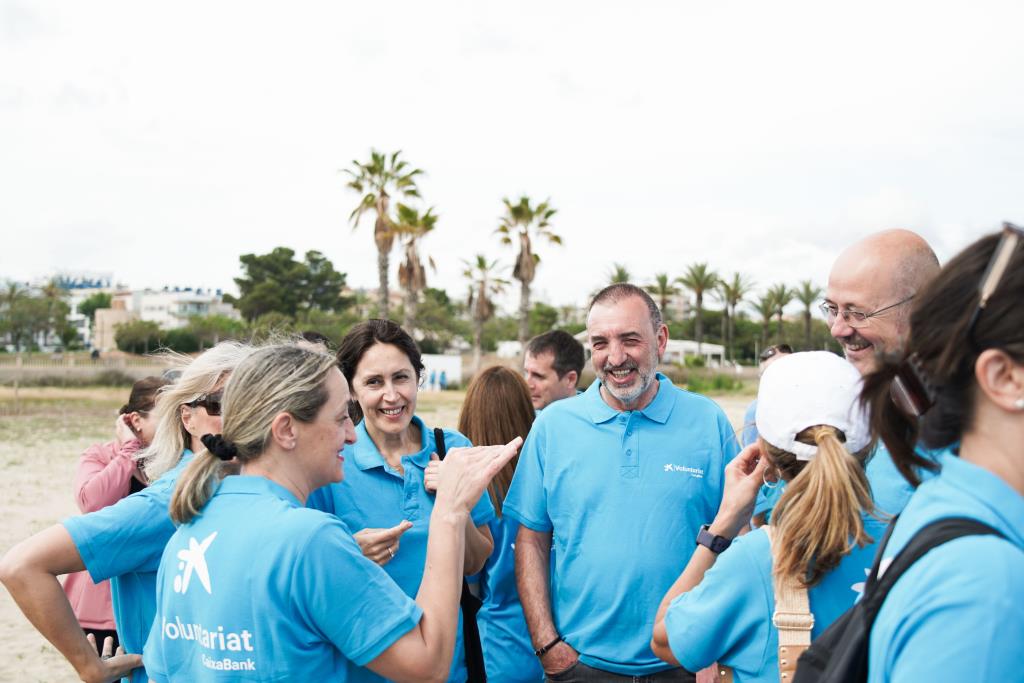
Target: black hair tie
219, 446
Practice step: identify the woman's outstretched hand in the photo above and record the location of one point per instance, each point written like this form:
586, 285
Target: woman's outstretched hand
465, 473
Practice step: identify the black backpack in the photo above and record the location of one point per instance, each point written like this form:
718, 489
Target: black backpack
840, 653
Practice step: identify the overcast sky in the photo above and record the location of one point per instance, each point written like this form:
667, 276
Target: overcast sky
158, 141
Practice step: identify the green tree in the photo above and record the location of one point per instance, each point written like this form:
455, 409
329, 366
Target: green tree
484, 285
765, 307
276, 283
89, 305
412, 276
439, 321
731, 293
524, 223
180, 339
137, 336
783, 296
619, 274
210, 330
377, 180
699, 279
807, 294
543, 318
663, 289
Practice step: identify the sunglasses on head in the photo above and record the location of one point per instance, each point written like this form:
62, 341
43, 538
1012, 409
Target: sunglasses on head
211, 402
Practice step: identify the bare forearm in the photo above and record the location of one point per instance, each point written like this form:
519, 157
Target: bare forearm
479, 546
29, 571
533, 566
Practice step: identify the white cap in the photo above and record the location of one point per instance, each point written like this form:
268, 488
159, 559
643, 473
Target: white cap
802, 390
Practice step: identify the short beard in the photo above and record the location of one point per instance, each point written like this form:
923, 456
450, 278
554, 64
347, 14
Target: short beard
645, 379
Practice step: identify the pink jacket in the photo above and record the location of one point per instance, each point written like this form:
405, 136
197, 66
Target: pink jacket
104, 477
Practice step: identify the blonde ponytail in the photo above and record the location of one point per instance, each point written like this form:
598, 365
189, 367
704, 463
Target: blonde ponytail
818, 519
195, 486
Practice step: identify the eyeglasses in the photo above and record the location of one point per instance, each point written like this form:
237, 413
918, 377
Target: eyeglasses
997, 265
855, 318
211, 402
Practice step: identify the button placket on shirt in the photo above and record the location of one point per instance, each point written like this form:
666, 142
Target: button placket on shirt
630, 469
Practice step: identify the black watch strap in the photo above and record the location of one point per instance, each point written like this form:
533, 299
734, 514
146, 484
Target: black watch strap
715, 544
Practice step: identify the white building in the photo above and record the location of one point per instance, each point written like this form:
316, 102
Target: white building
172, 307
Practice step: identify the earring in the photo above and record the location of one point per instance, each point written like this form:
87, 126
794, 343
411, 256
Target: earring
771, 485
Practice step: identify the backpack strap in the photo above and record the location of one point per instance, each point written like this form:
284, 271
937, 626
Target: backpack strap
929, 536
792, 618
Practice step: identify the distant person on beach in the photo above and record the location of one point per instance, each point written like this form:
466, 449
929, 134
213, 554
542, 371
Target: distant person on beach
552, 365
443, 381
256, 586
385, 497
107, 472
496, 410
867, 306
123, 542
593, 480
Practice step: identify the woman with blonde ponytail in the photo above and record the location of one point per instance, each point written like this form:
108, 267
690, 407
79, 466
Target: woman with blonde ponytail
256, 586
815, 438
123, 542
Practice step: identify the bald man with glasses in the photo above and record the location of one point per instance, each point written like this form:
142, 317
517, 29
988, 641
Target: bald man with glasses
867, 306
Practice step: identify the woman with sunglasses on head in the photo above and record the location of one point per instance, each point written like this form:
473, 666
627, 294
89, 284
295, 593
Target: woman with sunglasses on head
817, 549
255, 586
386, 497
122, 542
107, 472
497, 409
958, 387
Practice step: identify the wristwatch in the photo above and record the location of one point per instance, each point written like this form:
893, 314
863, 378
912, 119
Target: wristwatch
715, 544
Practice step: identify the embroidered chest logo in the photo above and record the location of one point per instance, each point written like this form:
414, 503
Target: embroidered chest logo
695, 472
193, 561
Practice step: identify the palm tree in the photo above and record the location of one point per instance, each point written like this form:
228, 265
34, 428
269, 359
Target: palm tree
765, 306
807, 295
412, 277
525, 222
484, 284
699, 279
377, 180
783, 296
619, 274
731, 293
663, 289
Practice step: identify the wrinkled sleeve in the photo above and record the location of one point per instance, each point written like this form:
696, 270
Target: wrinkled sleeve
128, 536
104, 475
360, 623
526, 501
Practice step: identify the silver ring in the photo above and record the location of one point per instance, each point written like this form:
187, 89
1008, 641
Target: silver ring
392, 552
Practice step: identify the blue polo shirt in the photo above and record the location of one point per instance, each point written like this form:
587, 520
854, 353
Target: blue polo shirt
624, 494
123, 543
728, 617
372, 495
260, 588
889, 488
956, 614
508, 652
